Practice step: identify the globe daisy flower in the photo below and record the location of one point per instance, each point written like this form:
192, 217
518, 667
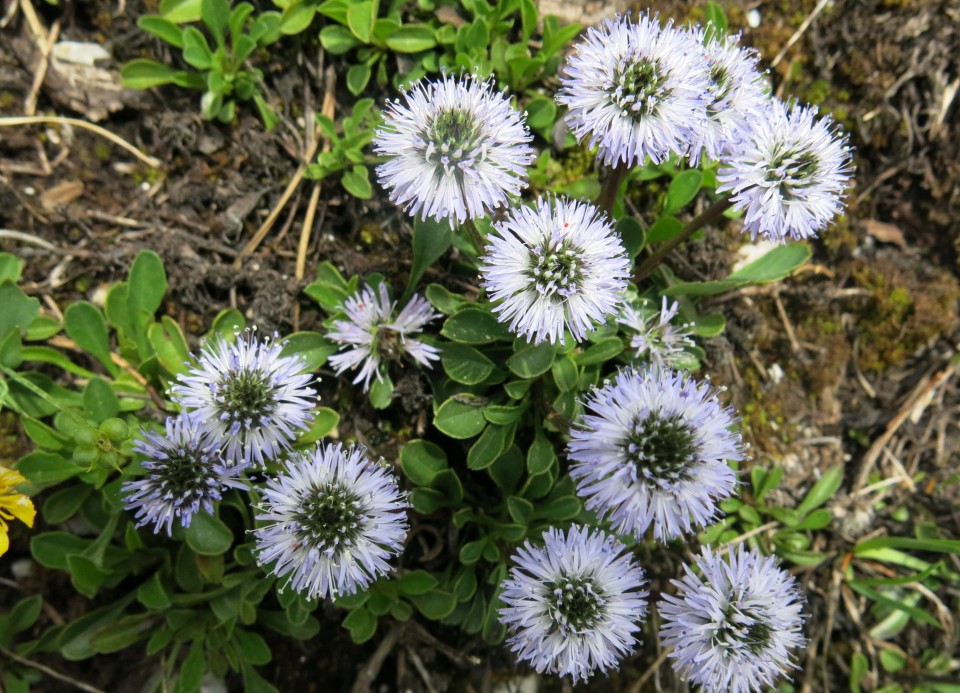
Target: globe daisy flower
185, 474
738, 96
575, 604
789, 175
556, 266
635, 90
657, 339
455, 149
248, 397
371, 334
733, 625
13, 504
653, 451
333, 520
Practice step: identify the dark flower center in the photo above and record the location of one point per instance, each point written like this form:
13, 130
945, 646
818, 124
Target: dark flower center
722, 86
452, 138
245, 398
574, 603
742, 627
185, 475
558, 270
638, 87
663, 448
793, 170
329, 517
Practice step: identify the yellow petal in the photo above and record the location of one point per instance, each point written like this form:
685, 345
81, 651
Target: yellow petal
4, 540
20, 507
10, 479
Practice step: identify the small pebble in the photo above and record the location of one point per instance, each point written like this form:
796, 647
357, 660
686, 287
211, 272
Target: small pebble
753, 18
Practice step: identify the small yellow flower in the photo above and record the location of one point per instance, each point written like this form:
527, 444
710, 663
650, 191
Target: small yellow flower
13, 505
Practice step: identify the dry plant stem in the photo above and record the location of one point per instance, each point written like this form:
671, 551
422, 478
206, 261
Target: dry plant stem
714, 211
49, 672
475, 236
611, 185
371, 668
12, 121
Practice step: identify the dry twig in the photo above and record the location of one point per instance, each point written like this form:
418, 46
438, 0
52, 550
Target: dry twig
10, 121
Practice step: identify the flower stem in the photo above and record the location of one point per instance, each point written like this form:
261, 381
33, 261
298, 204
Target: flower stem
475, 237
701, 220
611, 185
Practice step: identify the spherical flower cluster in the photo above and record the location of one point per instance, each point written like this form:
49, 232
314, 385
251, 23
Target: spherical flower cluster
248, 397
657, 339
575, 604
789, 175
333, 518
653, 451
636, 90
371, 334
456, 149
738, 96
556, 266
733, 625
185, 473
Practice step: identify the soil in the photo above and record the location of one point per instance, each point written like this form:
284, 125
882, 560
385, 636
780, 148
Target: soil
849, 362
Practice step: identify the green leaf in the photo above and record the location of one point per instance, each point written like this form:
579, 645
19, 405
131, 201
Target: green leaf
253, 647
915, 613
507, 469
435, 604
361, 624
541, 455
520, 509
818, 519
933, 545
421, 461
64, 504
528, 18
324, 421
442, 299
533, 360
381, 392
360, 19
489, 446
312, 348
683, 188
664, 229
415, 582
541, 113
822, 491
170, 345
99, 400
337, 39
85, 575
43, 327
192, 669
19, 310
208, 536
196, 51
51, 549
502, 414
427, 501
412, 38
459, 419
24, 614
716, 19
474, 326
465, 364
121, 634
152, 594
558, 509
601, 352
296, 18
85, 325
11, 267
358, 76
431, 239
775, 265
180, 11
227, 323
216, 15
632, 235
148, 285
709, 325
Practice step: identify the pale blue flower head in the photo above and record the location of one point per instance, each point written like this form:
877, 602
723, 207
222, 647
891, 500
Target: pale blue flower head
333, 520
655, 337
185, 474
371, 334
556, 266
635, 90
789, 175
733, 625
456, 149
574, 605
248, 397
739, 96
653, 451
